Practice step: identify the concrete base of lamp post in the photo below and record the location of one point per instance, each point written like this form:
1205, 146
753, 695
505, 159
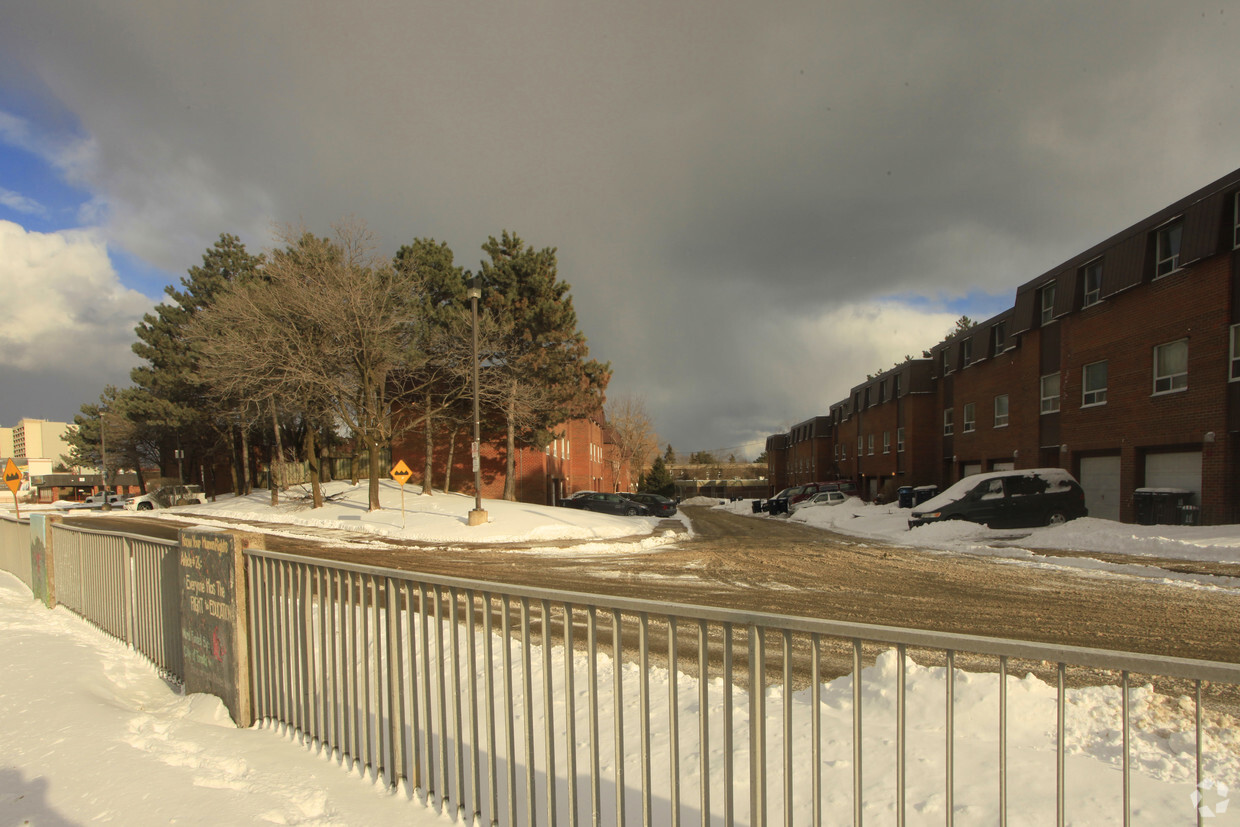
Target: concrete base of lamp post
478, 516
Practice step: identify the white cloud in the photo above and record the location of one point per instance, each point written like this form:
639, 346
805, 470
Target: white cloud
19, 202
65, 311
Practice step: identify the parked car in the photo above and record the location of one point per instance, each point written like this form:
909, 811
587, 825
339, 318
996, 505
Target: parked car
1007, 499
779, 503
834, 497
606, 504
167, 496
809, 490
97, 500
659, 505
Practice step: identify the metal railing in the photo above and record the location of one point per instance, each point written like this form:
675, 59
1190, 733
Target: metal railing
125, 584
398, 674
15, 548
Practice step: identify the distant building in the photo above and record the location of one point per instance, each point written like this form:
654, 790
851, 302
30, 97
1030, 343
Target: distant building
36, 445
1121, 365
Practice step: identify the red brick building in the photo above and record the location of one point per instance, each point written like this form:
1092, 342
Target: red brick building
583, 458
1121, 365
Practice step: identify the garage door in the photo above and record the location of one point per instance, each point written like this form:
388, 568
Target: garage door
1100, 479
970, 468
1003, 466
1178, 470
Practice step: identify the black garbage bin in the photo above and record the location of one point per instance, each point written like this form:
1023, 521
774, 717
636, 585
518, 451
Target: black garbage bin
924, 492
1159, 506
757, 506
904, 496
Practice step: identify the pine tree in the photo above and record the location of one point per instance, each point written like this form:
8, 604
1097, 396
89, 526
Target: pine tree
544, 353
171, 395
658, 480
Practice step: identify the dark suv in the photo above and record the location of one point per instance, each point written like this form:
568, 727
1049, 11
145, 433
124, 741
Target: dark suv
1007, 499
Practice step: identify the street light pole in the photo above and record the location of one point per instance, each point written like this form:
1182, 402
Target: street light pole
478, 516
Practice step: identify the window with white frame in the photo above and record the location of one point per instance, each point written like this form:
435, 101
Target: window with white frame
1050, 393
948, 426
899, 440
1094, 384
1046, 303
969, 418
1001, 410
966, 352
947, 362
1167, 258
886, 442
1235, 353
998, 338
871, 444
860, 445
1171, 367
1091, 283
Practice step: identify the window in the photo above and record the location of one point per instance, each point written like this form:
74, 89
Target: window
871, 441
1094, 384
837, 451
1167, 259
1235, 233
899, 440
998, 338
1171, 367
1050, 393
966, 353
895, 386
882, 392
1001, 411
886, 442
970, 417
867, 397
1235, 353
1091, 284
947, 362
1046, 301
860, 445
947, 422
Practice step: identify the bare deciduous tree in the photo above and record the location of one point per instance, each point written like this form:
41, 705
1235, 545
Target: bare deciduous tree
329, 327
631, 431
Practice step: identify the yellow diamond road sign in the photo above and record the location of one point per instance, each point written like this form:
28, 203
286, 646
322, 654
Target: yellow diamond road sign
401, 472
12, 477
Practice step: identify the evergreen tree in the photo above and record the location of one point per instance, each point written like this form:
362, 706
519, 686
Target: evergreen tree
544, 351
443, 400
172, 393
669, 456
658, 480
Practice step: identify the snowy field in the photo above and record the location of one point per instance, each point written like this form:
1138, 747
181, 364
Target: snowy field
91, 734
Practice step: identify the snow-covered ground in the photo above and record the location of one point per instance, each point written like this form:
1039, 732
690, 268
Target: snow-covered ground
91, 734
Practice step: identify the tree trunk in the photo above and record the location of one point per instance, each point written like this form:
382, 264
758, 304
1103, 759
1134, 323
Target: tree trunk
312, 459
277, 458
373, 453
447, 474
245, 460
428, 468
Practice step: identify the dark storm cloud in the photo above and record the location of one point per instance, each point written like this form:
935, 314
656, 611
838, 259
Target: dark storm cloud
719, 178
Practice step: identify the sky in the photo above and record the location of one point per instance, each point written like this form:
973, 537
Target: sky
733, 189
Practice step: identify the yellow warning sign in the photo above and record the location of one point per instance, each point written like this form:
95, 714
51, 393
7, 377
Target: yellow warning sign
401, 472
12, 477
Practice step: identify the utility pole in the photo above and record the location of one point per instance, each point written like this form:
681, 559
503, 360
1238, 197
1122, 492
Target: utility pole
477, 516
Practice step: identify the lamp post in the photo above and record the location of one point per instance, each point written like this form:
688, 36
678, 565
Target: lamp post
477, 516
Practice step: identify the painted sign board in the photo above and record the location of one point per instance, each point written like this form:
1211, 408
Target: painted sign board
214, 622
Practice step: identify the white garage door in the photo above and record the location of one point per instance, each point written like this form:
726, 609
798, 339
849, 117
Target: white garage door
1100, 479
970, 469
1179, 470
1003, 466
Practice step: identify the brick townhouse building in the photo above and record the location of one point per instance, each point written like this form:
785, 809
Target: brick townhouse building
1121, 365
583, 458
